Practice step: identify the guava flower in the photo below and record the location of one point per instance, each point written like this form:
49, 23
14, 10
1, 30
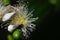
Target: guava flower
22, 17
18, 15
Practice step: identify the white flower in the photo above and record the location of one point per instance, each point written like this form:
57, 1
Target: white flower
18, 16
23, 17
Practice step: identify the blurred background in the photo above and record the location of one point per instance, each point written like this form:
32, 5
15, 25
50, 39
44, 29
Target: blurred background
48, 22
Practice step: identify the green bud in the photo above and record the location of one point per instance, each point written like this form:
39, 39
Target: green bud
6, 2
10, 37
17, 34
53, 1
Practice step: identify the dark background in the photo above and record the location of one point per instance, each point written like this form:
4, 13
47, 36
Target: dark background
48, 23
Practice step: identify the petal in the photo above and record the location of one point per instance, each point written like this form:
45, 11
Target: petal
11, 28
7, 16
